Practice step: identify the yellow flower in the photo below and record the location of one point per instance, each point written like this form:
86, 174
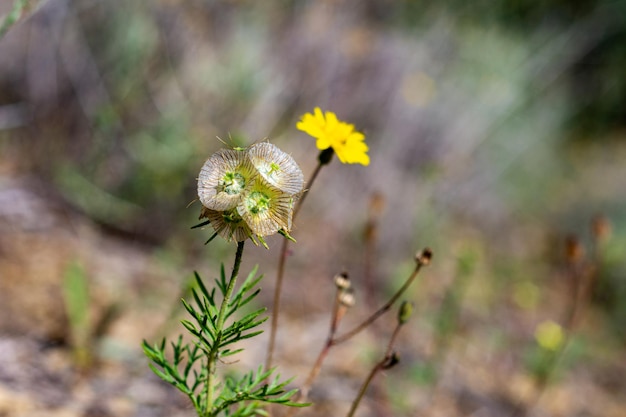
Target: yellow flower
550, 335
348, 144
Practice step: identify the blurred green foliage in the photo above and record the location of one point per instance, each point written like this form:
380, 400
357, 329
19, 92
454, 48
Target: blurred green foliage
77, 302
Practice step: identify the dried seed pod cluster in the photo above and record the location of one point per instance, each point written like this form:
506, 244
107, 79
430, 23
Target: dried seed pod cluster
248, 193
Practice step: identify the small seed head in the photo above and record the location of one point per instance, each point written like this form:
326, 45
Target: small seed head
342, 281
424, 256
346, 298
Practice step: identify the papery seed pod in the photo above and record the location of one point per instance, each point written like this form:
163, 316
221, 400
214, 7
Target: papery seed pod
265, 208
228, 224
277, 167
223, 179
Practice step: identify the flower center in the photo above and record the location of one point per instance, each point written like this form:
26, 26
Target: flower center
232, 183
273, 168
231, 217
257, 202
269, 170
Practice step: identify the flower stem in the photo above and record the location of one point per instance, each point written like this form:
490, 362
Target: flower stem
384, 363
221, 317
366, 384
421, 260
281, 273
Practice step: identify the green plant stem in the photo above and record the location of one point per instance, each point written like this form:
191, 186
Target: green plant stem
221, 317
281, 273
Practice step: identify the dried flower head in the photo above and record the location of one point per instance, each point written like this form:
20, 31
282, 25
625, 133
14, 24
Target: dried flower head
248, 193
266, 209
228, 224
277, 167
223, 178
330, 132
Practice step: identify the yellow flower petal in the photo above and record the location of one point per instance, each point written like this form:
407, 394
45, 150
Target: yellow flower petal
329, 131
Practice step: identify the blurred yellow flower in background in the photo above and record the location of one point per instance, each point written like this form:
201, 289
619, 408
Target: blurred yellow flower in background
550, 335
330, 132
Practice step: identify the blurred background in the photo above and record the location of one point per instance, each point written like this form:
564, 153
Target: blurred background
497, 135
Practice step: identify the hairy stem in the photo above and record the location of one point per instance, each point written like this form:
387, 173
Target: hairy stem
221, 317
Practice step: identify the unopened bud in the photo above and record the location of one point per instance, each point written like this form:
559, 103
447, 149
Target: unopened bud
342, 281
405, 311
424, 256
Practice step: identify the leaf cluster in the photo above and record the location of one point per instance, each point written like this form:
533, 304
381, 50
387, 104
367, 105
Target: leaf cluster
212, 335
214, 329
255, 388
